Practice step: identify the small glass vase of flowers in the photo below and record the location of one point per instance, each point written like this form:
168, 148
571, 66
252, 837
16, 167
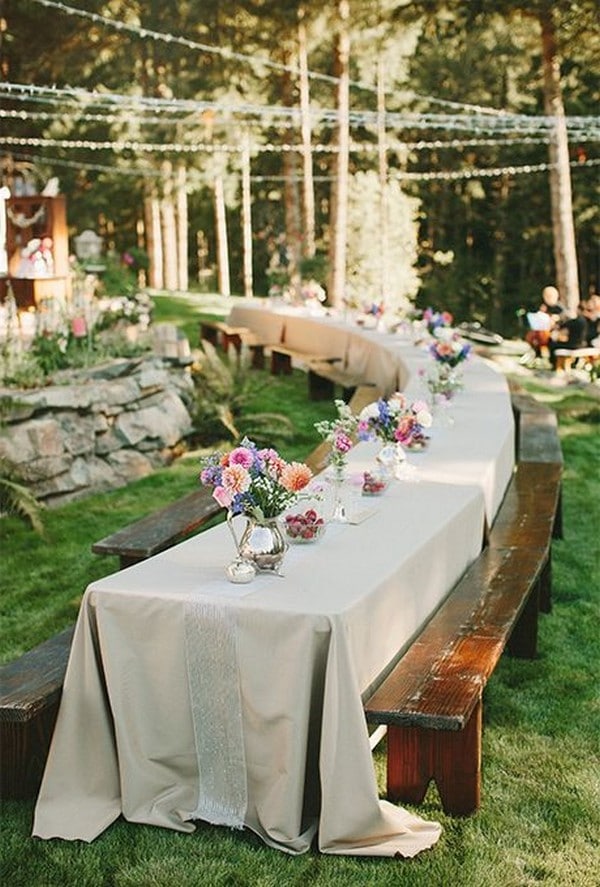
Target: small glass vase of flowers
340, 434
399, 424
448, 354
436, 321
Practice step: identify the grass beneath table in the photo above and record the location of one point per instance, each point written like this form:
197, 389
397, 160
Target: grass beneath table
539, 822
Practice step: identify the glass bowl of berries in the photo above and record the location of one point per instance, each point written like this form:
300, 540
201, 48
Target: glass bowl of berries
374, 483
305, 527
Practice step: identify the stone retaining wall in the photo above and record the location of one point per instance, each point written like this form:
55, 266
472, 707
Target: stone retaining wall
97, 429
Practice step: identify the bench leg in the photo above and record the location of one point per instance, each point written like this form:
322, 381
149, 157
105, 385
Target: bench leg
258, 356
281, 364
452, 758
210, 334
546, 586
557, 528
233, 339
320, 388
24, 749
523, 640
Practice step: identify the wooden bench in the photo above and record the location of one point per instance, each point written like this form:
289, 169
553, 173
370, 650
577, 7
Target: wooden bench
219, 333
282, 357
31, 691
566, 357
256, 347
161, 529
324, 376
32, 684
431, 699
536, 438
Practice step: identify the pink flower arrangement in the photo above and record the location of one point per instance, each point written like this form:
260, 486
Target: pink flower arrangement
395, 421
254, 481
450, 351
437, 320
339, 433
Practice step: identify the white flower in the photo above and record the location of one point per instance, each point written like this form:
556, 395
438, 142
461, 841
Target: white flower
424, 418
371, 411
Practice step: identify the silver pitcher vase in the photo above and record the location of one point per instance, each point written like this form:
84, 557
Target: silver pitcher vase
261, 543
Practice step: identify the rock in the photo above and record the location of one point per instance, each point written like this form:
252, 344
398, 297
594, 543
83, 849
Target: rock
99, 429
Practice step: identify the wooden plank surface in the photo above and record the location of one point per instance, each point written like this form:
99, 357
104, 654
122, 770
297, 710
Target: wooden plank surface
162, 528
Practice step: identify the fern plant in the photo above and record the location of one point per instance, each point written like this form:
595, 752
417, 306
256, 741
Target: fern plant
224, 390
15, 498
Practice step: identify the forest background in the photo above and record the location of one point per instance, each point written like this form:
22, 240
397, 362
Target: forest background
131, 103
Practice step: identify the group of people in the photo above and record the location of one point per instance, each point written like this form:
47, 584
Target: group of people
556, 329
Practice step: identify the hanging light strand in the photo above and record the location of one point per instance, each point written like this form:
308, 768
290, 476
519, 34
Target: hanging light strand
456, 175
509, 123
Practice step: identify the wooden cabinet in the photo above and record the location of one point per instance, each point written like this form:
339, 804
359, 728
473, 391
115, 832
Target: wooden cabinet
45, 274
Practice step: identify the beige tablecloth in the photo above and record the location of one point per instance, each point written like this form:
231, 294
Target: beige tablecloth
188, 697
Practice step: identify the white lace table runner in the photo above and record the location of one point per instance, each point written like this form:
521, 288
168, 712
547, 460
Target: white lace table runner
213, 678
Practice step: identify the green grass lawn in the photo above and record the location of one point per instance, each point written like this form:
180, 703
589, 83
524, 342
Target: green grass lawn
540, 817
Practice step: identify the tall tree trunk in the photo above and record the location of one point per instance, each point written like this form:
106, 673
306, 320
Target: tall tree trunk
565, 251
221, 235
291, 201
169, 234
338, 220
247, 218
308, 188
153, 239
383, 175
182, 227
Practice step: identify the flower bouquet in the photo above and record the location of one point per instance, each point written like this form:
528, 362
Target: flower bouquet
259, 484
398, 424
450, 351
253, 481
340, 434
395, 421
435, 321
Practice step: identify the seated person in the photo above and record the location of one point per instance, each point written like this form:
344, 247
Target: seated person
570, 333
551, 306
591, 312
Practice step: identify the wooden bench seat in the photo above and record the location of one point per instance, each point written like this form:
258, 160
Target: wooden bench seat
530, 517
566, 357
161, 529
324, 376
256, 346
431, 701
31, 691
221, 334
282, 357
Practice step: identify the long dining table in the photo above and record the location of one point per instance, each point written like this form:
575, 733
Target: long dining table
188, 697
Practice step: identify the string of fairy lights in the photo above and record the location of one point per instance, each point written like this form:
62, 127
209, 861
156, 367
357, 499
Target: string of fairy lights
224, 52
456, 175
481, 126
506, 123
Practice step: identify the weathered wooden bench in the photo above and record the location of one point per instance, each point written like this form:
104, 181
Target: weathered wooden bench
566, 357
32, 684
282, 357
323, 373
161, 529
221, 334
31, 687
431, 699
536, 438
324, 376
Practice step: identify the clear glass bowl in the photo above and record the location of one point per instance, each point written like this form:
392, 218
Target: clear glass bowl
302, 528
